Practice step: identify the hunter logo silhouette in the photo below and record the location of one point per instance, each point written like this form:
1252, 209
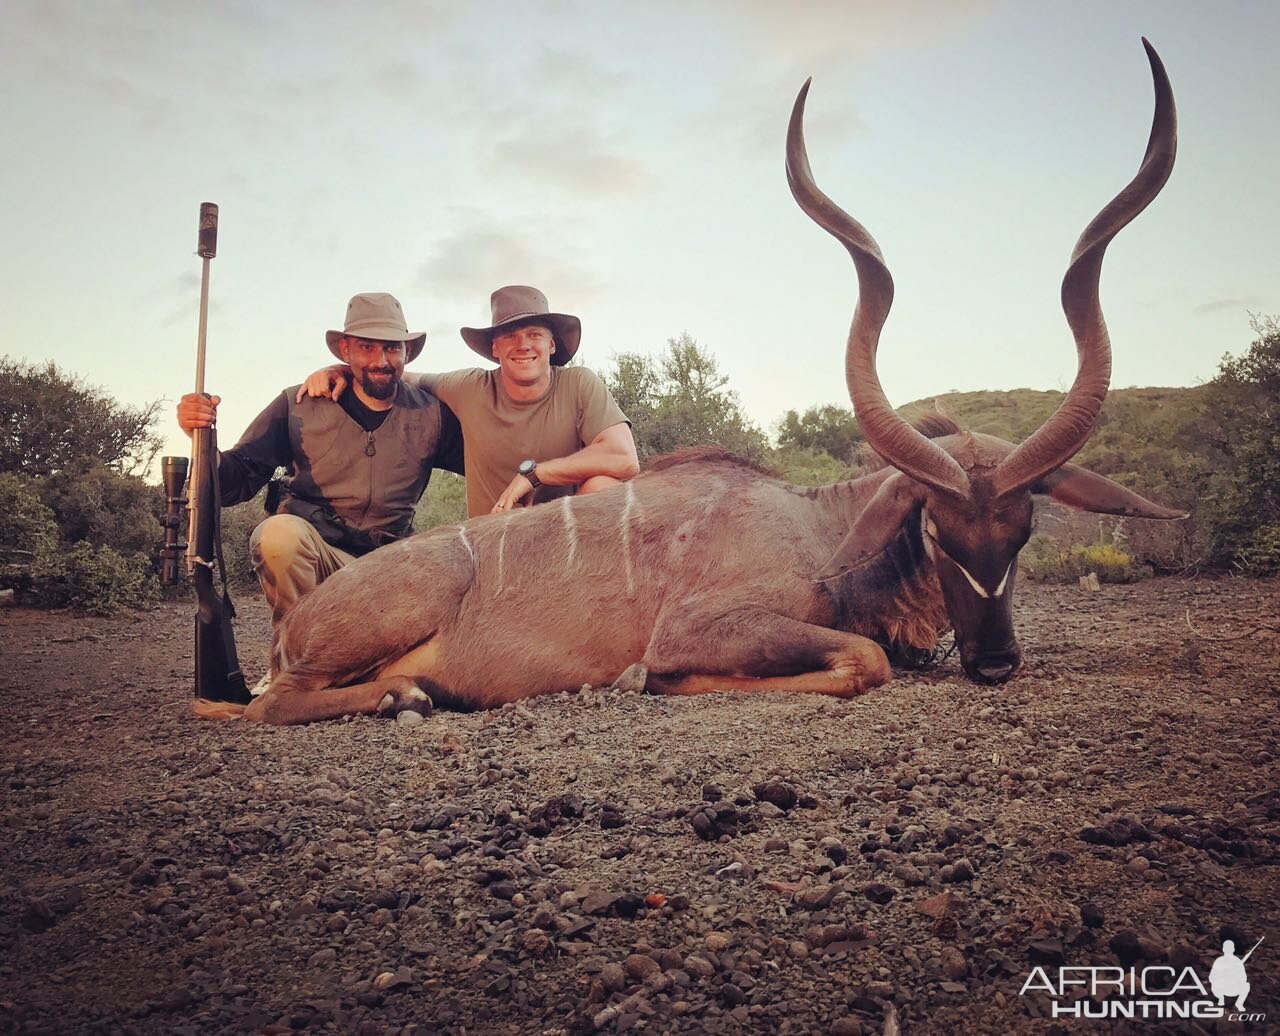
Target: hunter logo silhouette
1227, 977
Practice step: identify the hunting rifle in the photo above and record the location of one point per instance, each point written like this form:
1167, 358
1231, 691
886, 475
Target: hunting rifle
217, 671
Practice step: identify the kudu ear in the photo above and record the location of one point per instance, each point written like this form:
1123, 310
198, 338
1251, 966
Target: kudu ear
1079, 487
876, 526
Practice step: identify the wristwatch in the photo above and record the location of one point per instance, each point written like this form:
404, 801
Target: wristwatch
529, 469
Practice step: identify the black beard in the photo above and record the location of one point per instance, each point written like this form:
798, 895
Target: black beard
382, 389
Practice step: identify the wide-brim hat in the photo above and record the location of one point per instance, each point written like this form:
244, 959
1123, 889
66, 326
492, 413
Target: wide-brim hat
377, 315
518, 304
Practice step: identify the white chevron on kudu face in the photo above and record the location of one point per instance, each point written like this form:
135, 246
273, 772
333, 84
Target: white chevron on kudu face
931, 546
978, 588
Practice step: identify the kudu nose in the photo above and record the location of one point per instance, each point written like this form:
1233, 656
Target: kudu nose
994, 670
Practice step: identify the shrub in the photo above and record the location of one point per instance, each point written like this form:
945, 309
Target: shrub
98, 580
1111, 563
807, 466
105, 508
1242, 426
28, 531
830, 429
51, 421
444, 502
681, 399
1046, 560
238, 523
1260, 554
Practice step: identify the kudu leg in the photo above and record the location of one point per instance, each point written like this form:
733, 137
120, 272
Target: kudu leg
687, 656
290, 700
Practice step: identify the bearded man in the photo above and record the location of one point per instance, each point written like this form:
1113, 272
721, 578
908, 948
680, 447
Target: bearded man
354, 472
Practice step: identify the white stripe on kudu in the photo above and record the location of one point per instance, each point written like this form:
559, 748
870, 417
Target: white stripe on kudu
624, 523
570, 528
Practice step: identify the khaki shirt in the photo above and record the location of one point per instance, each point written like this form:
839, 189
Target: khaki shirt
498, 432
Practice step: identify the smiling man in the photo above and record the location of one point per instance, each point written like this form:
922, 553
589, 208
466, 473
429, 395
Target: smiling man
534, 429
354, 471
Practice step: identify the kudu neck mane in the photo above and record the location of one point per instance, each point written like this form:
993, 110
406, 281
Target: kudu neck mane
712, 454
894, 599
932, 425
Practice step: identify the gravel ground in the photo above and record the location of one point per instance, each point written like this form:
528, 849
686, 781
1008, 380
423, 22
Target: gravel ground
610, 862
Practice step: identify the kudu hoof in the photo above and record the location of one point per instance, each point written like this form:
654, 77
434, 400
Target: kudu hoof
409, 698
633, 679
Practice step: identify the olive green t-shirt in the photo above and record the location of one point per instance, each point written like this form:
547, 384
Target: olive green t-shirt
498, 432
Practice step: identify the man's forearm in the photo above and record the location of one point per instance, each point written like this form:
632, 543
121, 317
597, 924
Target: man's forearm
596, 459
247, 466
239, 480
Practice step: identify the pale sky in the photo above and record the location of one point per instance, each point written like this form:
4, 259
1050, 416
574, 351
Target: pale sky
627, 158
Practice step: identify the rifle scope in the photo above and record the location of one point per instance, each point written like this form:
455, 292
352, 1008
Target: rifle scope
174, 473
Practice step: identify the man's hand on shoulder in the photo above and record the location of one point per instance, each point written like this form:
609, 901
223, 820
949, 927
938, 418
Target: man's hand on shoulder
197, 411
327, 383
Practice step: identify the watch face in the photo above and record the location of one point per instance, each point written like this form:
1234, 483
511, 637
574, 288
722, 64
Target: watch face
526, 466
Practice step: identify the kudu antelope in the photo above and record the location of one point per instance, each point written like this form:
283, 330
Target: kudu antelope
706, 573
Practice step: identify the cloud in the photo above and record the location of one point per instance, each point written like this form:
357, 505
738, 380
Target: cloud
556, 130
831, 40
576, 74
179, 301
577, 159
822, 30
754, 116
479, 252
1245, 302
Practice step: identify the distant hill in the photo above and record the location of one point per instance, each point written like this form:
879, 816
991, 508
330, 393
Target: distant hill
1149, 439
1138, 430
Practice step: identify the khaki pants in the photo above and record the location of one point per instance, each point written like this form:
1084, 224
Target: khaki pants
291, 560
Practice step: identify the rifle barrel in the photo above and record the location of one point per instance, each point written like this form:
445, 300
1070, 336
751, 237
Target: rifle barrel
206, 248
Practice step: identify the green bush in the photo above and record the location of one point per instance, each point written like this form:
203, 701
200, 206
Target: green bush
28, 532
1044, 559
444, 502
98, 580
105, 508
238, 523
807, 466
1241, 426
1260, 553
681, 399
51, 421
832, 430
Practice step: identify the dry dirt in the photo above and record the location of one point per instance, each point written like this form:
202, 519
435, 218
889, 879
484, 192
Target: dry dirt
610, 862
